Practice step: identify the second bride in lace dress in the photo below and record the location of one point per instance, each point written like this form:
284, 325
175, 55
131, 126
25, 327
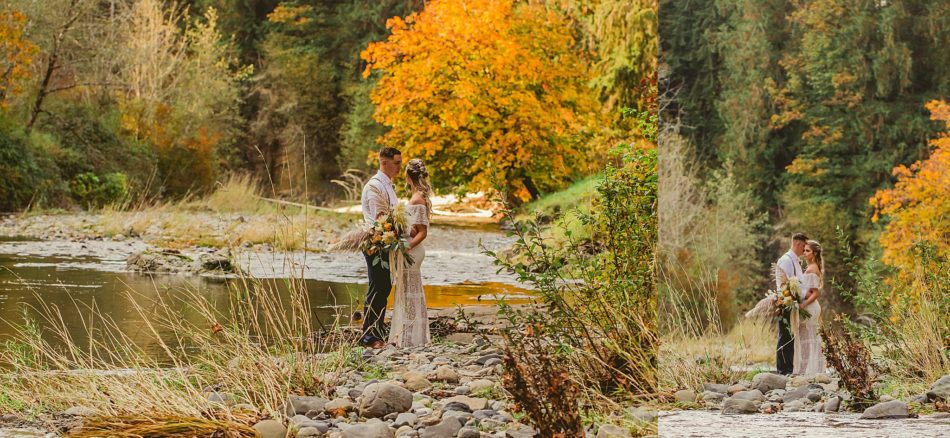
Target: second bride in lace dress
410, 322
809, 359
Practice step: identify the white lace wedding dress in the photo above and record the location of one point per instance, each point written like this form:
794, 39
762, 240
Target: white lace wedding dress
410, 321
809, 359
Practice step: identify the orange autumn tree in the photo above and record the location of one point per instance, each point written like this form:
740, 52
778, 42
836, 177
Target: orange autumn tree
16, 54
484, 90
918, 207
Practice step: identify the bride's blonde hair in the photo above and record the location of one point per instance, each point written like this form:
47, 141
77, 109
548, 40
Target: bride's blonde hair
417, 173
819, 260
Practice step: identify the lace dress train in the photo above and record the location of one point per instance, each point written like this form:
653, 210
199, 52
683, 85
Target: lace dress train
410, 321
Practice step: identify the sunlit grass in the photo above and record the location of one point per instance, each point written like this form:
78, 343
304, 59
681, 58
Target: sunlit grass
258, 348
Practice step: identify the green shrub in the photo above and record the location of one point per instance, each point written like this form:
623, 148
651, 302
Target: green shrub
27, 177
93, 192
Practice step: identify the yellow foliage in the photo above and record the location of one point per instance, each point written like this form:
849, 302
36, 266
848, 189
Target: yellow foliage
918, 207
485, 90
16, 54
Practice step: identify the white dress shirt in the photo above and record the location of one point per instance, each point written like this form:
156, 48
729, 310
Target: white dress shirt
790, 266
378, 197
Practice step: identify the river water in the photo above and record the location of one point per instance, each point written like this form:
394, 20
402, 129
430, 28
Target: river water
76, 275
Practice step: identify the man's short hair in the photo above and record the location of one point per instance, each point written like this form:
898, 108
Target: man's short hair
388, 152
800, 236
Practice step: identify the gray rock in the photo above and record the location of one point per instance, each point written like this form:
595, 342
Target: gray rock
813, 396
611, 431
449, 427
890, 409
798, 405
339, 406
521, 431
405, 419
373, 428
738, 406
492, 362
446, 373
736, 388
473, 403
775, 395
642, 414
795, 394
462, 416
716, 387
483, 414
753, 395
766, 382
833, 405
309, 432
484, 359
468, 432
481, 385
822, 378
712, 399
685, 396
381, 399
270, 429
940, 389
300, 404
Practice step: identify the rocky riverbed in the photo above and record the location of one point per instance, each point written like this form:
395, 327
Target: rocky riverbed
454, 254
447, 389
813, 405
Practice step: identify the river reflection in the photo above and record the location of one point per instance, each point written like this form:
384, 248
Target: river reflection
75, 285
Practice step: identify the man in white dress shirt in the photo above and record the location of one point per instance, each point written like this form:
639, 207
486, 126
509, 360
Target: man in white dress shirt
378, 198
788, 266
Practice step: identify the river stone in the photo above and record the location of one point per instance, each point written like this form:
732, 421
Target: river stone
381, 399
270, 429
449, 427
300, 404
798, 405
738, 406
753, 395
417, 382
473, 403
685, 396
716, 387
813, 396
775, 395
484, 359
611, 431
710, 397
406, 431
766, 382
891, 409
309, 432
822, 378
520, 431
795, 394
739, 387
468, 432
446, 373
481, 385
940, 389
405, 419
373, 428
833, 405
339, 406
799, 381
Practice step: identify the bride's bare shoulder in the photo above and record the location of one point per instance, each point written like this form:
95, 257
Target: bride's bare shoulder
417, 199
813, 269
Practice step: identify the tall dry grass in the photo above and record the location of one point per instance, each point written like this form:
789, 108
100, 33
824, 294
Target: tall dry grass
258, 347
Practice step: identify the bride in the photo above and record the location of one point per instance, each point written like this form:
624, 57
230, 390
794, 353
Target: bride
809, 359
410, 322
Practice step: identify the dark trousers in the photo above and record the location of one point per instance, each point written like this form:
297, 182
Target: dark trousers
374, 309
785, 353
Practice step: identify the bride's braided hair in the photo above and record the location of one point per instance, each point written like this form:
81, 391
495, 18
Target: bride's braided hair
417, 173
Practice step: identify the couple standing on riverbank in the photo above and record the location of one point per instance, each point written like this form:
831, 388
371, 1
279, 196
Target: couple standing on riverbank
410, 322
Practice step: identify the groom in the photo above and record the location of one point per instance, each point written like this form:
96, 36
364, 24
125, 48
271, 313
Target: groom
788, 266
378, 198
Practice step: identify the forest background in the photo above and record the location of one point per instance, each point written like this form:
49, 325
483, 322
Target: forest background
149, 100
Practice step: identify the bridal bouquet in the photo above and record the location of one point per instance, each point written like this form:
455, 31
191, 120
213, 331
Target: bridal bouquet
789, 298
383, 237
